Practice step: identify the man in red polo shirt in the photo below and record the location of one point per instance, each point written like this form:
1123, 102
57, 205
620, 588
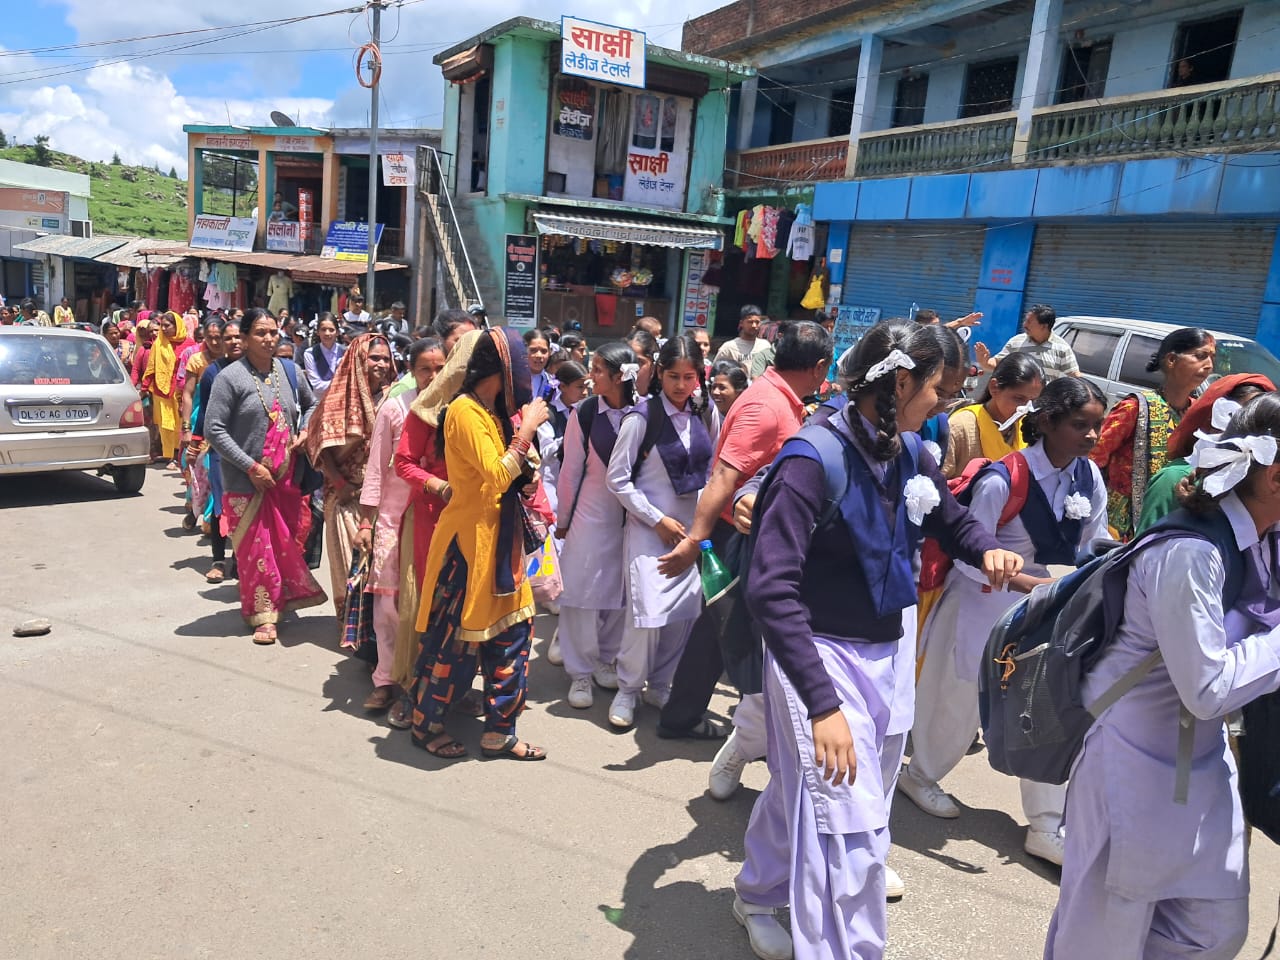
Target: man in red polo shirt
759, 422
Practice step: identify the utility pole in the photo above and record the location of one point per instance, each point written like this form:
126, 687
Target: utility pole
376, 6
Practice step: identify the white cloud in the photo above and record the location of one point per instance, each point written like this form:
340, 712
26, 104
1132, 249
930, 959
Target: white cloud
135, 109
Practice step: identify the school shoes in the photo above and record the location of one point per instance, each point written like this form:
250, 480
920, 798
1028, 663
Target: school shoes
726, 769
1045, 845
894, 888
580, 695
622, 712
768, 940
928, 796
606, 676
656, 696
554, 655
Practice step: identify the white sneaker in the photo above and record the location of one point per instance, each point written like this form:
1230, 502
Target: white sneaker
726, 769
553, 650
769, 941
656, 696
622, 712
580, 695
894, 888
606, 676
929, 797
1045, 845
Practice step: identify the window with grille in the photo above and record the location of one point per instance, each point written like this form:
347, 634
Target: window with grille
988, 87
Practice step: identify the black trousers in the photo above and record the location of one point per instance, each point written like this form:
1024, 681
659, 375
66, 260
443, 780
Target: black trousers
703, 660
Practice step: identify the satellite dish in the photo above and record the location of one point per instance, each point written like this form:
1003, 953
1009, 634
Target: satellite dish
282, 119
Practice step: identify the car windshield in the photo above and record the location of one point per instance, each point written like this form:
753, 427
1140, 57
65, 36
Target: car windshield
1241, 356
30, 360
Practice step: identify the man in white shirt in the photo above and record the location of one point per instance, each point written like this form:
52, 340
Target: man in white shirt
748, 342
356, 318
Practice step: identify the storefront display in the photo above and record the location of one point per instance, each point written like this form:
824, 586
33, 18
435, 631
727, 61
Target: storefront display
601, 284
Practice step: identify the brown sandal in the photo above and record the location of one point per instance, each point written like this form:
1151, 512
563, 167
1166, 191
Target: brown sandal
265, 635
508, 750
382, 698
450, 749
217, 573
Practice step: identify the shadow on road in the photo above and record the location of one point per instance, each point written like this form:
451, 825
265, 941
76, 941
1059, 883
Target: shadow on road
927, 836
52, 489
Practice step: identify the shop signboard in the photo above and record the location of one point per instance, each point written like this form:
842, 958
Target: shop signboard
397, 169
296, 145
223, 141
601, 52
658, 154
32, 201
284, 236
851, 323
573, 113
699, 300
349, 240
306, 214
224, 233
520, 287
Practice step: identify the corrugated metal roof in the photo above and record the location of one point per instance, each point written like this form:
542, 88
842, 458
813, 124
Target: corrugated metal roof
278, 261
61, 245
654, 233
130, 255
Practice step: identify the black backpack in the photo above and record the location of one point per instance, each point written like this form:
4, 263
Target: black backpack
1030, 688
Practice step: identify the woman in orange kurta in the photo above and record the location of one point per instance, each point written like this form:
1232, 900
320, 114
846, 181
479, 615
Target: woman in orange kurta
476, 603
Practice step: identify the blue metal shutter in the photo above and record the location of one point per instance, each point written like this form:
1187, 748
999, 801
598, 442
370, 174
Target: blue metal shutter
1194, 273
933, 265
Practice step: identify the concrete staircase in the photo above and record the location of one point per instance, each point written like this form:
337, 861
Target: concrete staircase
467, 277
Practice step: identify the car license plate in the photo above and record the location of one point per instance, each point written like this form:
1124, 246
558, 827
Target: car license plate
54, 413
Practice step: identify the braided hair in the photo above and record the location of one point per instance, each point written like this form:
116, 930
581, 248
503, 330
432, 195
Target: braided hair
916, 342
1061, 398
613, 355
683, 347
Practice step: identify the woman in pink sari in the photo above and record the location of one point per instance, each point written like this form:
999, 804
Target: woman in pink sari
256, 419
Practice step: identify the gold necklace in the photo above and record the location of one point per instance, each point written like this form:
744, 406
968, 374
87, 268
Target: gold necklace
275, 390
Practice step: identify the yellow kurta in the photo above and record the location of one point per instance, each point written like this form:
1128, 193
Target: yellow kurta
479, 472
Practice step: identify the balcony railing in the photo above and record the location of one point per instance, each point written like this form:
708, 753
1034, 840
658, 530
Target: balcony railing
937, 147
1218, 118
1206, 117
806, 160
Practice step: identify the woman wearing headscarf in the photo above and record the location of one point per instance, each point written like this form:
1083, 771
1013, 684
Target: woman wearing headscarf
161, 380
338, 445
1206, 415
476, 602
1133, 446
256, 418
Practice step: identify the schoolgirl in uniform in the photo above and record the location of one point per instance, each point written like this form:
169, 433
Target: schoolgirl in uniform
830, 602
571, 387
538, 345
1065, 511
1145, 875
975, 430
659, 489
589, 521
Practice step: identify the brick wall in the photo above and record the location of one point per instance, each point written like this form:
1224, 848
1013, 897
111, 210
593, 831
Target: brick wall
733, 25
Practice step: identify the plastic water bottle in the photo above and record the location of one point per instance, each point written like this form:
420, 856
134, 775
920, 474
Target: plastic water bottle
716, 579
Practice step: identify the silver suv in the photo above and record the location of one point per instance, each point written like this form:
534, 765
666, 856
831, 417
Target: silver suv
66, 403
1113, 352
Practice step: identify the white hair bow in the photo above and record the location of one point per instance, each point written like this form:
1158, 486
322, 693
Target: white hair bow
1025, 410
896, 360
1224, 408
630, 371
1230, 460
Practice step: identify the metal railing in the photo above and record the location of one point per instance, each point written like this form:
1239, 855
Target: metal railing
937, 147
451, 248
1223, 117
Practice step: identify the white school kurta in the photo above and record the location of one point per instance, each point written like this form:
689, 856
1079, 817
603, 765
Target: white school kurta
591, 564
549, 446
964, 611
656, 599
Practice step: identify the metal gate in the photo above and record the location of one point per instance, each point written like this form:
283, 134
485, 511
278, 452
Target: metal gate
1191, 273
935, 266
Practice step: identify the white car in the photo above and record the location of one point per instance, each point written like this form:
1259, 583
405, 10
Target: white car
1113, 352
66, 403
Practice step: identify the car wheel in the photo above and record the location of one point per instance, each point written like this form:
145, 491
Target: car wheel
129, 480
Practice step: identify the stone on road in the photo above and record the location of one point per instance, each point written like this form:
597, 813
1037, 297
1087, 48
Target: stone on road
171, 790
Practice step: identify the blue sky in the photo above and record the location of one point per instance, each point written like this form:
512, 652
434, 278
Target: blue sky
90, 104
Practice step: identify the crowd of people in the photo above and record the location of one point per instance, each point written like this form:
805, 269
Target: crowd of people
434, 474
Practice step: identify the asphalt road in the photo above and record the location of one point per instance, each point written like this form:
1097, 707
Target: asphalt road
172, 791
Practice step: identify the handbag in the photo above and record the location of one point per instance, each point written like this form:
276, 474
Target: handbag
544, 573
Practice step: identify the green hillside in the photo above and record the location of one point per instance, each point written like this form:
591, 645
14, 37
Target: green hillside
133, 201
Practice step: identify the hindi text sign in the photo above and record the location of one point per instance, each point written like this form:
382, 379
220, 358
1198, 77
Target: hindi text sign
284, 236
224, 233
349, 240
521, 281
397, 169
601, 52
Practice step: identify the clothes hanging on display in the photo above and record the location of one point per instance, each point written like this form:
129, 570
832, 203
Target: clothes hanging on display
182, 292
279, 290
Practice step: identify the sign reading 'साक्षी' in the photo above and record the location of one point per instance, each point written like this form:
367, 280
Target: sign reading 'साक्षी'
601, 52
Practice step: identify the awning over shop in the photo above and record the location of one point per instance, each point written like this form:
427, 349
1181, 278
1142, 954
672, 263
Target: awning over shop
654, 233
82, 248
129, 255
302, 267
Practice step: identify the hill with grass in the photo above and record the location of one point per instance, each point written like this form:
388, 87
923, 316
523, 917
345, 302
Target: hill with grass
124, 200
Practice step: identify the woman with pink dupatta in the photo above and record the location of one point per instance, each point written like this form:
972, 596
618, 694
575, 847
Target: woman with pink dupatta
256, 419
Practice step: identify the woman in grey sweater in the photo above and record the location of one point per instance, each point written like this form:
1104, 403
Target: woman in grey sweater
256, 420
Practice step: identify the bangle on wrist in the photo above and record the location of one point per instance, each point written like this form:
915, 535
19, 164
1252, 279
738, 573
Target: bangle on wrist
365, 525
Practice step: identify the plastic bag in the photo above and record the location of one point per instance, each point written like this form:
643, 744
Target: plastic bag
813, 298
544, 573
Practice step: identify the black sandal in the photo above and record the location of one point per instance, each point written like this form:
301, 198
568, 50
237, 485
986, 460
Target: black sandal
507, 751
705, 730
451, 749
